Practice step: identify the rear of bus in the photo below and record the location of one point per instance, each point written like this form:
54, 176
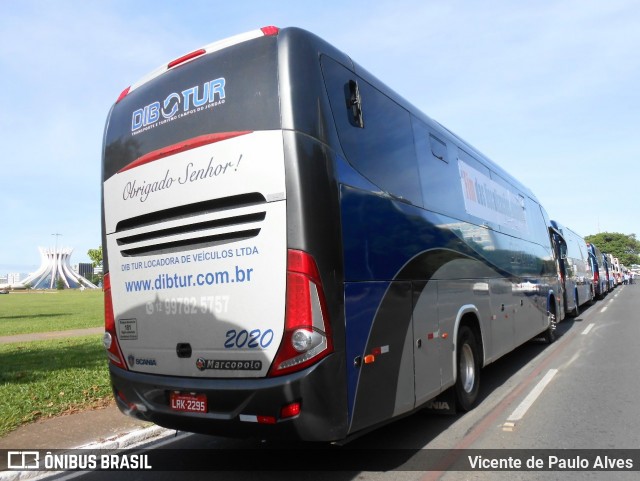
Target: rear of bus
216, 312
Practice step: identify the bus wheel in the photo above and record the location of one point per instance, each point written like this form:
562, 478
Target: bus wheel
550, 333
468, 362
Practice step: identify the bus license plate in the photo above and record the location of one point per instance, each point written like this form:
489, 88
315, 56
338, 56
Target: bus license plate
187, 402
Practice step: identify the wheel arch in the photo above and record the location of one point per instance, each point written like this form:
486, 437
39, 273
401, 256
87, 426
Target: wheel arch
553, 305
467, 315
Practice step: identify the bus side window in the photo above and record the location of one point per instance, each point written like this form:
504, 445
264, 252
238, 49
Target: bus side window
374, 131
535, 222
438, 179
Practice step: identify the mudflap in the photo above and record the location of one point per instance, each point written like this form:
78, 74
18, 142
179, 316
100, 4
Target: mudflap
443, 403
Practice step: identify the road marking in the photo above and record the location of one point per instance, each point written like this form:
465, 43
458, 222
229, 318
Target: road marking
603, 309
508, 426
524, 406
589, 327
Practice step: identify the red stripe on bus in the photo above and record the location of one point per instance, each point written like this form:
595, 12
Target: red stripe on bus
186, 57
182, 147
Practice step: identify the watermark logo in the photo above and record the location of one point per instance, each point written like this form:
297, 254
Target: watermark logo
23, 460
74, 461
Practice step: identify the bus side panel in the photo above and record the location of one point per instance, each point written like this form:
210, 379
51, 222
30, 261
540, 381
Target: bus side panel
388, 281
379, 333
387, 271
431, 348
384, 372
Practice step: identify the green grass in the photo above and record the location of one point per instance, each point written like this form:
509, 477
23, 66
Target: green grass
48, 378
44, 311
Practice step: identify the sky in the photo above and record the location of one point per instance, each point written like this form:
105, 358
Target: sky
549, 90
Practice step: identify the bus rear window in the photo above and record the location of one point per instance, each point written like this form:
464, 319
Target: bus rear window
232, 90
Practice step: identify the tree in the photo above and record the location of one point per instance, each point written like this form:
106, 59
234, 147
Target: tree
625, 247
96, 260
96, 256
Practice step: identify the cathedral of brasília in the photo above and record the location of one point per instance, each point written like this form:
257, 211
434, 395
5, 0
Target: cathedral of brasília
56, 264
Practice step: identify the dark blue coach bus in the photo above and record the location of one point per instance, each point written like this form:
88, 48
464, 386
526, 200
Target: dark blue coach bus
575, 269
293, 250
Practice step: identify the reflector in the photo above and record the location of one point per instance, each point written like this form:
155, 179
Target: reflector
290, 410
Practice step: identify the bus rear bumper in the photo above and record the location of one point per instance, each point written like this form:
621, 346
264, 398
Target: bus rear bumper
243, 408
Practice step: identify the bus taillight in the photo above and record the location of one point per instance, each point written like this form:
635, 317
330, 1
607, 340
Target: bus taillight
307, 336
109, 340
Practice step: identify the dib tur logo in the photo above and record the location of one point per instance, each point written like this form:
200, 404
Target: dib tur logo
191, 98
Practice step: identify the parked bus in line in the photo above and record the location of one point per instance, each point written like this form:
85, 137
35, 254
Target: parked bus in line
574, 268
612, 262
598, 271
608, 272
292, 250
617, 271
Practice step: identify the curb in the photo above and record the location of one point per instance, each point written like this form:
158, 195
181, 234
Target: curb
120, 441
132, 439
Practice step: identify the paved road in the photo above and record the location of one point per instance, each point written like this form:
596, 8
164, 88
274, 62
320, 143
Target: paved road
581, 392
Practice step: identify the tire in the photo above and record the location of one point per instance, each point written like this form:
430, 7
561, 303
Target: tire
468, 369
550, 334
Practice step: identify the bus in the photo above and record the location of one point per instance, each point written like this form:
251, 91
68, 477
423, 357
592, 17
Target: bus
609, 274
598, 271
574, 268
292, 250
614, 267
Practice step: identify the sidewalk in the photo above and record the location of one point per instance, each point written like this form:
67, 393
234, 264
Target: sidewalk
73, 430
105, 428
43, 336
